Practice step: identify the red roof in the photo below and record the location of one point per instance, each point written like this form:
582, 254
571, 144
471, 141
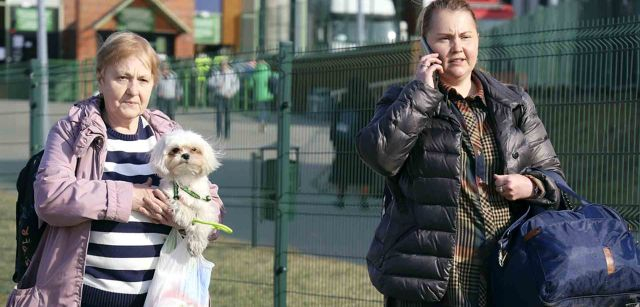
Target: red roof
491, 9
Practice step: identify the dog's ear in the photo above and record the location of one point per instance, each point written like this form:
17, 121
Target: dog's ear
158, 156
211, 157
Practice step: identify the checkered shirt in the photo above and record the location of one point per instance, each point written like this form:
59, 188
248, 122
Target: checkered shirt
482, 214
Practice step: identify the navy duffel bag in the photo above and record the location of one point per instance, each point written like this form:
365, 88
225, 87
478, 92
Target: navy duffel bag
581, 257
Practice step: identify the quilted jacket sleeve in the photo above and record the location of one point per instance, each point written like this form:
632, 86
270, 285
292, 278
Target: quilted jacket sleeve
544, 156
400, 116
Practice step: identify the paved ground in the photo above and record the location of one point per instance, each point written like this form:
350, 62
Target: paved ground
317, 227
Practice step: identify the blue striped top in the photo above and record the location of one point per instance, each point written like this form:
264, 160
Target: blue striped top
121, 257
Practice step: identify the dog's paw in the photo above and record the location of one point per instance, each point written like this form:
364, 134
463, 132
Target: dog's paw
196, 247
182, 217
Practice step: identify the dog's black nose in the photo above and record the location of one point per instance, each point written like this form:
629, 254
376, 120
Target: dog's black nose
185, 156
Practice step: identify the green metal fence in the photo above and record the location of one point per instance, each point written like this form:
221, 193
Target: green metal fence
301, 203
585, 80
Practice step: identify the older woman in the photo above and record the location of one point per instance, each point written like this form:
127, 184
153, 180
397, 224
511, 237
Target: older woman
96, 190
461, 156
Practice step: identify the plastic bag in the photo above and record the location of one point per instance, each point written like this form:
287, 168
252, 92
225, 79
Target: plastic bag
180, 279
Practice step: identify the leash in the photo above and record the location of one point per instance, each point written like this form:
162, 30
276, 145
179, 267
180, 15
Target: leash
195, 195
214, 225
188, 191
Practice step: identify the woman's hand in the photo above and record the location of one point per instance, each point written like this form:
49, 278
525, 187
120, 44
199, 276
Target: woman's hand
152, 203
427, 66
514, 186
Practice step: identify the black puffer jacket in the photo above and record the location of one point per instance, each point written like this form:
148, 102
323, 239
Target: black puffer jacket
414, 139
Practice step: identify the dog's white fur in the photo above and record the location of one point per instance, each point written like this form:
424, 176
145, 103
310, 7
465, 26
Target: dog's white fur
185, 157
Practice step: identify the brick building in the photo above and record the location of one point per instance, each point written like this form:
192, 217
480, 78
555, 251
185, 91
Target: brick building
167, 24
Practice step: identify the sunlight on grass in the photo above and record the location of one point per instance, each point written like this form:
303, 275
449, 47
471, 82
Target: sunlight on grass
7, 242
243, 275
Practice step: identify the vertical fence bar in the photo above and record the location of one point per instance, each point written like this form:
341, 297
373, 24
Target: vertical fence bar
37, 111
254, 195
43, 61
283, 203
186, 89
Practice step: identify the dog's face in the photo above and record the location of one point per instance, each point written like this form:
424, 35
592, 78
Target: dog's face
181, 154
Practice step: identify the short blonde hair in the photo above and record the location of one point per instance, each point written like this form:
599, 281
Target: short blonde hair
424, 19
121, 45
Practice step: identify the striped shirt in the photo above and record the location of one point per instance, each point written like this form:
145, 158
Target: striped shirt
121, 257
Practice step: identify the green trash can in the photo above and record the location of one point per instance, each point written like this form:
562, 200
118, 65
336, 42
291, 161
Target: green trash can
269, 181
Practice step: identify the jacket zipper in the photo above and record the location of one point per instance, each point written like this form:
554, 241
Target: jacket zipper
101, 156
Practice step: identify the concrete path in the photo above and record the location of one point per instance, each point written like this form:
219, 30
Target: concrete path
317, 227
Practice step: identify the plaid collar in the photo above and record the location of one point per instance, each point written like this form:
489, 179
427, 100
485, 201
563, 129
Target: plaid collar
479, 93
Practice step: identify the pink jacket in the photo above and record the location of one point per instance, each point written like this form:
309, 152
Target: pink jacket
68, 196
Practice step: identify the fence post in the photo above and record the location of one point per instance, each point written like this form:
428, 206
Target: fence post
283, 197
37, 109
187, 90
254, 195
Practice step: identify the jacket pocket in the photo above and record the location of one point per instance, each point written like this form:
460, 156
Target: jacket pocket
393, 227
25, 297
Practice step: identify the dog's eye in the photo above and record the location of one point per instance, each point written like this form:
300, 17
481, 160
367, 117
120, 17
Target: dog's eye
175, 150
195, 149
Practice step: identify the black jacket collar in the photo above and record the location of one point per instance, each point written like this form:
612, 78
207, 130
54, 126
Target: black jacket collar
497, 91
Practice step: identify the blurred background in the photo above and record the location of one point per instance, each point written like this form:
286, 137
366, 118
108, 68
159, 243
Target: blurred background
183, 29
303, 206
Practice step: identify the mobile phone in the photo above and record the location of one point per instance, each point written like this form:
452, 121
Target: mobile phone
425, 46
428, 50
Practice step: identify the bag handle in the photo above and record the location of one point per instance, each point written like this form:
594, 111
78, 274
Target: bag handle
503, 242
564, 186
567, 189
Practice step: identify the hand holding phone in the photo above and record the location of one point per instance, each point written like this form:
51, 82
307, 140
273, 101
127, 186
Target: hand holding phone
429, 65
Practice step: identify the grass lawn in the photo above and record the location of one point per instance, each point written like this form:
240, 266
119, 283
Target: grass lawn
7, 242
243, 275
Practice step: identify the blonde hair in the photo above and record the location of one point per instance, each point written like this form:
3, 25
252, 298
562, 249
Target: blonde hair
121, 45
424, 19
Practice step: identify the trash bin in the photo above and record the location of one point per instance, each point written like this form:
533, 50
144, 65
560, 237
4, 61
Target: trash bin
269, 182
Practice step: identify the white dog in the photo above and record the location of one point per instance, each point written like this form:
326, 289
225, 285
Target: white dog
183, 159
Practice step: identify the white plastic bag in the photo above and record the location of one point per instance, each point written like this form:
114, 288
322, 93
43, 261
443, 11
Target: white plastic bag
180, 279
